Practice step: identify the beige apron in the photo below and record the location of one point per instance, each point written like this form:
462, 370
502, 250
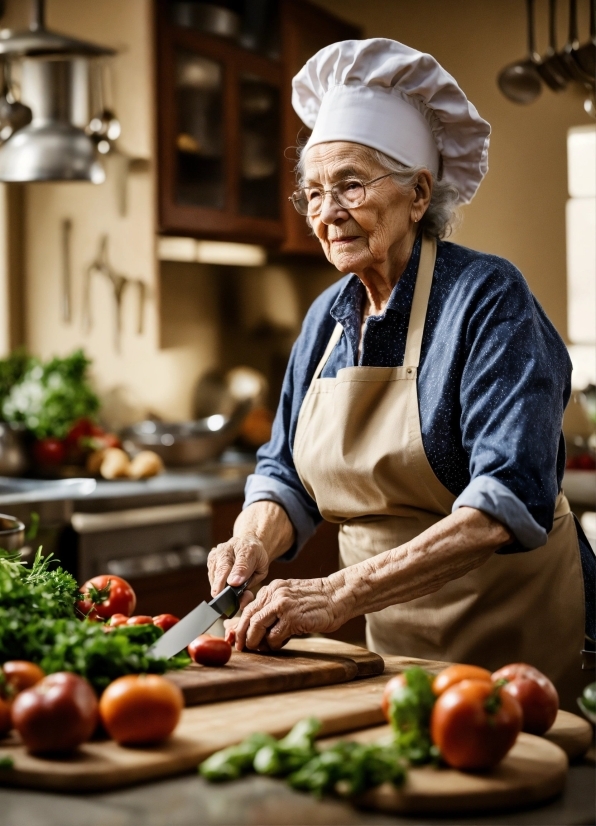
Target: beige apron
359, 453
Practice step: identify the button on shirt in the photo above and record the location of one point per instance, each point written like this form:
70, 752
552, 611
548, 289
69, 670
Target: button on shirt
494, 379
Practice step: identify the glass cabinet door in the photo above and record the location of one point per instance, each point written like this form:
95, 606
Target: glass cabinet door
260, 136
200, 159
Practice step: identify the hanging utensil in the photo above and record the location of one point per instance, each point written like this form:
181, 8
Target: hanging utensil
550, 67
520, 81
568, 55
66, 272
585, 56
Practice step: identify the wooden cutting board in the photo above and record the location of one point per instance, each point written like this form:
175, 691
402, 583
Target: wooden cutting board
301, 664
532, 772
571, 733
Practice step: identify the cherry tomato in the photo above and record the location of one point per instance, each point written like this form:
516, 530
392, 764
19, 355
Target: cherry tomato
455, 674
5, 718
208, 650
142, 708
49, 451
57, 714
118, 598
475, 723
399, 681
535, 693
117, 619
141, 619
165, 621
20, 675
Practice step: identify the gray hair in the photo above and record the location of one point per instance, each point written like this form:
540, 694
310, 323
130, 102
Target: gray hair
442, 215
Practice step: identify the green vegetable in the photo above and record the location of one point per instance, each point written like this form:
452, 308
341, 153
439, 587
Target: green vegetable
12, 370
346, 768
233, 762
589, 697
6, 762
48, 399
410, 707
38, 622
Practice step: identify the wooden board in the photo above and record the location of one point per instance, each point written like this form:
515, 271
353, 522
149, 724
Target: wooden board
532, 772
301, 664
571, 733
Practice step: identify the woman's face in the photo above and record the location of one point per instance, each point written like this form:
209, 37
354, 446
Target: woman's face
369, 235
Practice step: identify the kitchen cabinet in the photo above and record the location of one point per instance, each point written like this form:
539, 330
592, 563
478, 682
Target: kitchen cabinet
224, 120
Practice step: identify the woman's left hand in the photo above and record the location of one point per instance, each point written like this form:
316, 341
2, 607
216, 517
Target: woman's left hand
287, 608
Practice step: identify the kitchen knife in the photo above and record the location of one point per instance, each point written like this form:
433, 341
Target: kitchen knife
199, 620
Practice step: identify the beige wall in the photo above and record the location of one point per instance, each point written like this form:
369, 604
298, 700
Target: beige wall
519, 211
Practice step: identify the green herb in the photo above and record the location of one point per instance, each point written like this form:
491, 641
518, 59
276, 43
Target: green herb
38, 623
6, 762
48, 398
410, 707
12, 370
346, 768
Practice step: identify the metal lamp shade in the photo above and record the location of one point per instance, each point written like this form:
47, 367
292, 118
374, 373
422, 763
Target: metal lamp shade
53, 147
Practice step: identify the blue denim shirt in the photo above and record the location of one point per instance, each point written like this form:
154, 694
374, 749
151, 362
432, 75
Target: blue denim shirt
494, 379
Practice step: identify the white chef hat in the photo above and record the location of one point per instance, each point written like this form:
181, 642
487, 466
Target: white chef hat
390, 97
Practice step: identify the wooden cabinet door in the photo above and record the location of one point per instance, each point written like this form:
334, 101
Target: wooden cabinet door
305, 30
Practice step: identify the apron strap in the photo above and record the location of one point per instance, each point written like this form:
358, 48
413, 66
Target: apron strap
335, 337
424, 281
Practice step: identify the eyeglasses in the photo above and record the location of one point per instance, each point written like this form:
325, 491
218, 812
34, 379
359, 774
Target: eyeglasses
348, 194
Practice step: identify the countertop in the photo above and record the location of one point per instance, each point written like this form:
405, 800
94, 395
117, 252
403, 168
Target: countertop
259, 801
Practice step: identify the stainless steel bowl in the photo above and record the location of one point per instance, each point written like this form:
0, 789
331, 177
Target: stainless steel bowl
186, 443
12, 533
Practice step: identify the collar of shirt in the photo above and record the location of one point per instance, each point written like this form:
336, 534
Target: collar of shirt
347, 307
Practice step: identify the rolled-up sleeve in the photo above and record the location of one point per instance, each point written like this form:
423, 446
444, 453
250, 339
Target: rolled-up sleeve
514, 388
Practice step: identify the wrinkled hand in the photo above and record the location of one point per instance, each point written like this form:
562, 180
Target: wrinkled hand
234, 561
286, 608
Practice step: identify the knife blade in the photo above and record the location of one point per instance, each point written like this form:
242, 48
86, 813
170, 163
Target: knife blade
199, 620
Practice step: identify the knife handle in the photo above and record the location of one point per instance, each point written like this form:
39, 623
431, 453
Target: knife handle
228, 602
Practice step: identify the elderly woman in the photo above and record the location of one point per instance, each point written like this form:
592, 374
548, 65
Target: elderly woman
422, 405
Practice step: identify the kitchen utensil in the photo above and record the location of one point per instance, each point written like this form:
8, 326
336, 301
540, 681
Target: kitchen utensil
520, 81
550, 67
573, 67
12, 533
13, 114
199, 620
585, 56
13, 452
66, 276
186, 443
207, 17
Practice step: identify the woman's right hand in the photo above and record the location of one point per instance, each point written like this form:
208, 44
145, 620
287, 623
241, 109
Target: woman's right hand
233, 562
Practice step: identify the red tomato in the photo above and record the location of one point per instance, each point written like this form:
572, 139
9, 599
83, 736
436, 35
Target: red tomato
49, 451
82, 428
5, 718
395, 683
141, 708
20, 675
534, 692
455, 674
208, 650
141, 619
117, 619
119, 598
165, 621
475, 723
57, 714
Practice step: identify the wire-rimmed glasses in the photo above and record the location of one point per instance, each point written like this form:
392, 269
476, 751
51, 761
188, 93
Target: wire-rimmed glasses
348, 194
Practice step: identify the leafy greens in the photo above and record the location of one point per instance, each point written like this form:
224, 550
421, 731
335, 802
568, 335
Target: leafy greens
38, 622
